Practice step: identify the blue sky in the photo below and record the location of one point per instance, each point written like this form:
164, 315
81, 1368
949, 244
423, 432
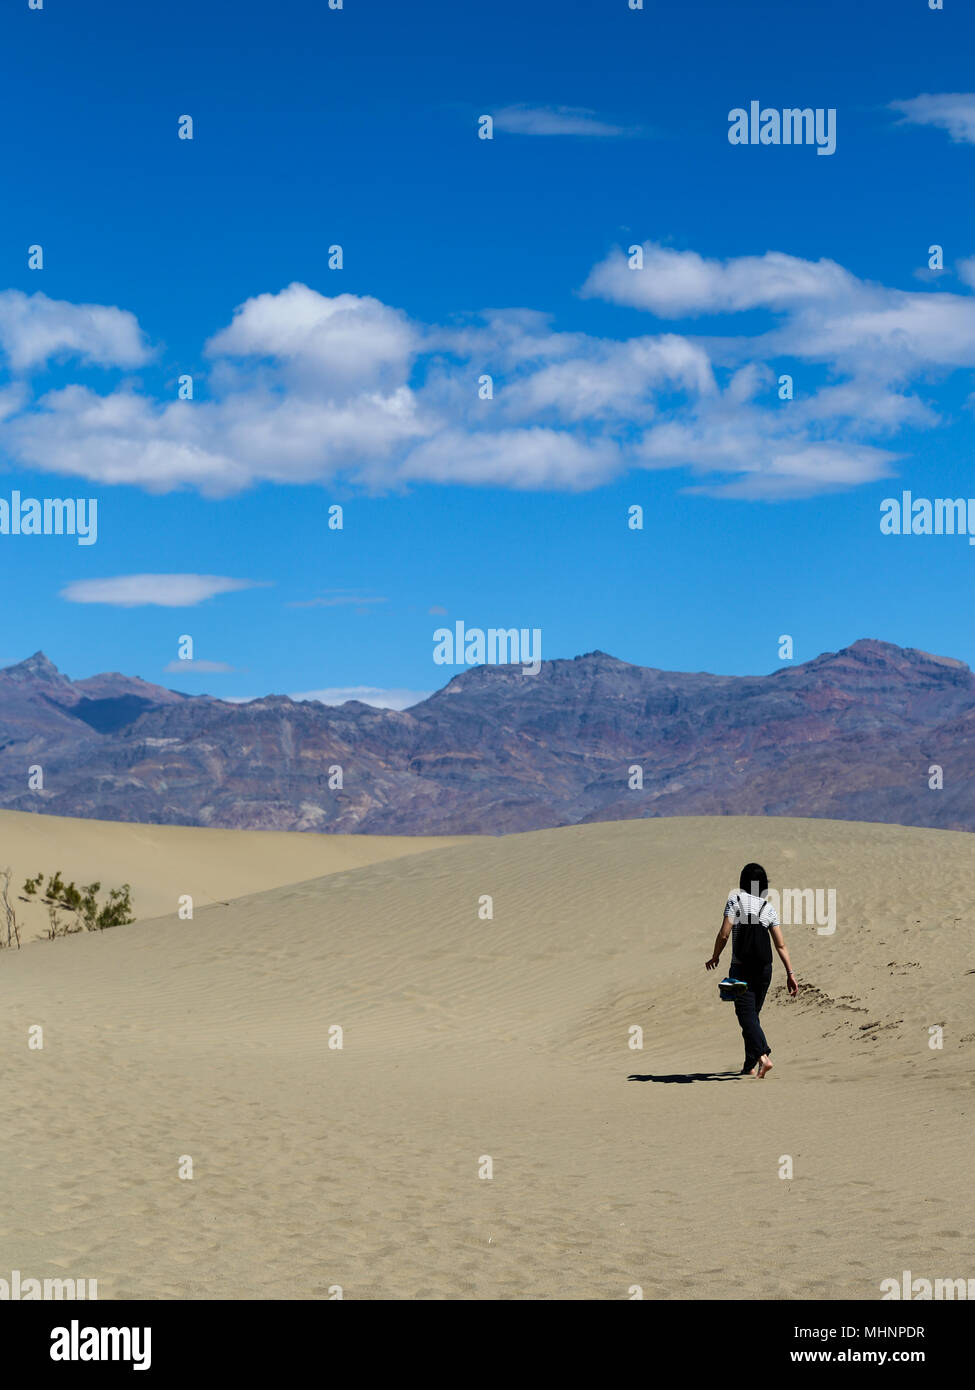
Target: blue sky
359, 386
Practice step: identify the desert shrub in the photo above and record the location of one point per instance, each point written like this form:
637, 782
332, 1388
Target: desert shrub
9, 930
71, 909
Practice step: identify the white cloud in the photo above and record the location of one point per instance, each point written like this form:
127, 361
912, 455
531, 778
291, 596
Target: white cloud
611, 379
554, 120
221, 447
804, 472
767, 467
675, 284
12, 398
950, 111
515, 338
344, 344
368, 694
161, 590
889, 333
309, 389
304, 387
799, 448
864, 405
526, 458
34, 329
824, 313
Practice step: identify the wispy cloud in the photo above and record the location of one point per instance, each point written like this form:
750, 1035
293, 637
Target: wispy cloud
675, 284
555, 120
950, 111
203, 667
160, 590
367, 694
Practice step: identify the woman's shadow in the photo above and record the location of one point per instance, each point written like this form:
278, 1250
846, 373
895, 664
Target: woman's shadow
685, 1078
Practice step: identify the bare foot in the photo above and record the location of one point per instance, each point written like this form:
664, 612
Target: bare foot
764, 1067
751, 1072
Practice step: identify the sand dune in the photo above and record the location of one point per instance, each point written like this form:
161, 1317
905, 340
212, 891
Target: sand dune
163, 862
315, 1167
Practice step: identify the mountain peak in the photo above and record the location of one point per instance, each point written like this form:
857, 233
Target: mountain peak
873, 647
36, 667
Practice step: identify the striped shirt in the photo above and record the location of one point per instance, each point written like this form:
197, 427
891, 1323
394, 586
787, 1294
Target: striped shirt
744, 907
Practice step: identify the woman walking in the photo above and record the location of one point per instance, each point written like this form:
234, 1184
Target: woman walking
750, 920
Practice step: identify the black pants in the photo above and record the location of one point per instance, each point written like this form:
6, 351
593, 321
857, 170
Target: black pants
748, 1006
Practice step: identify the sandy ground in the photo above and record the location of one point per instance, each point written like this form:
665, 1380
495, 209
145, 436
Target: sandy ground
316, 1167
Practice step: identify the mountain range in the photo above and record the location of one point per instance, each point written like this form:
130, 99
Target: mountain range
849, 735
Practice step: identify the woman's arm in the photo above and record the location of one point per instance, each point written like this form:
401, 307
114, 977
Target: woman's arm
779, 942
724, 931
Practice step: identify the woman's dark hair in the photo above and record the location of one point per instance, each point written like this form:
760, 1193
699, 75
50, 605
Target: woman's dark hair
753, 879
